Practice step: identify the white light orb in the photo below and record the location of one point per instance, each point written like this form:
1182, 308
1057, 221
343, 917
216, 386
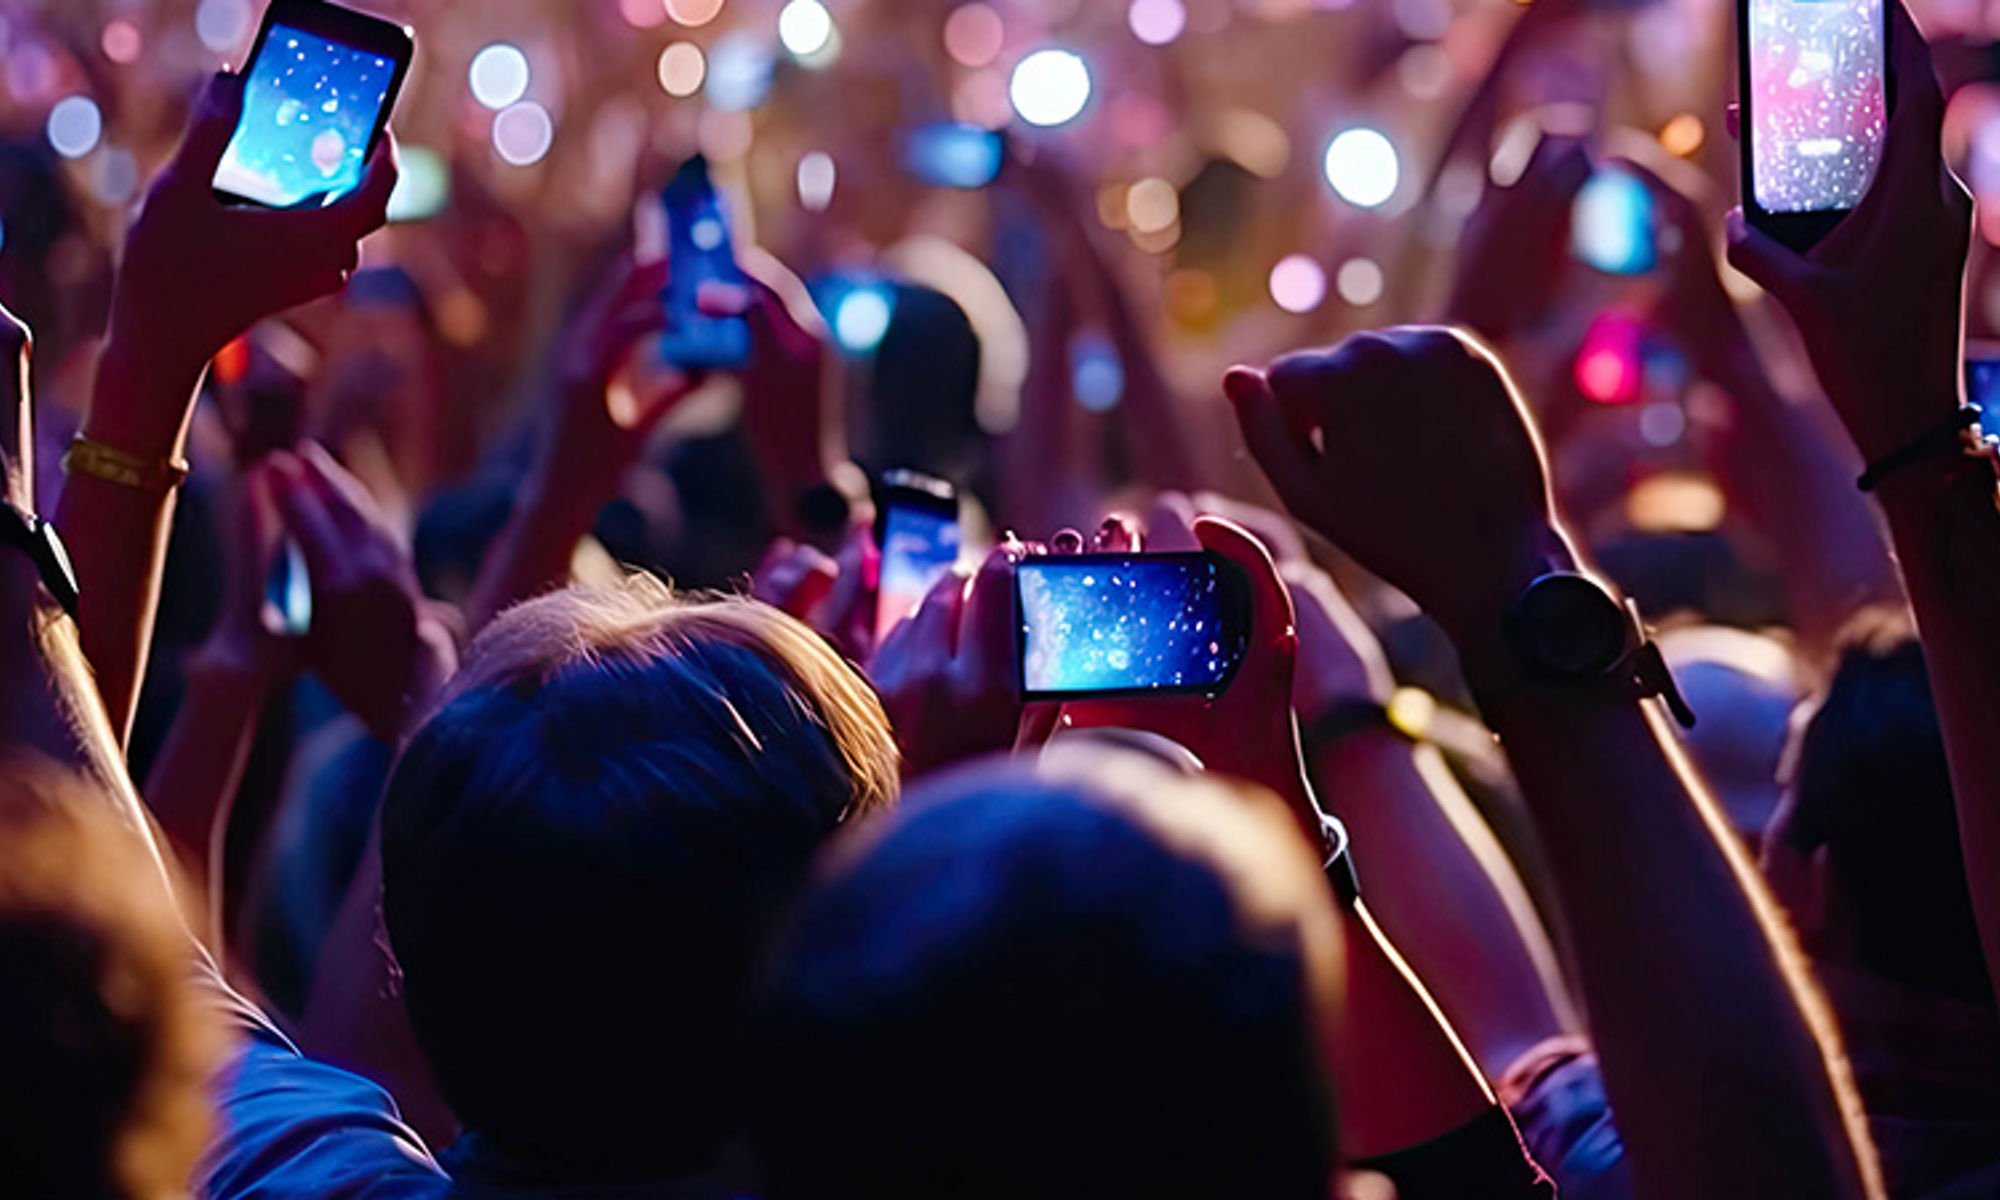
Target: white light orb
499, 75
1049, 87
1297, 284
1361, 165
75, 125
523, 133
805, 27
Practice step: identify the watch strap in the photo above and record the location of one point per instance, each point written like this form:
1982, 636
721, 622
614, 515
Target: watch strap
38, 539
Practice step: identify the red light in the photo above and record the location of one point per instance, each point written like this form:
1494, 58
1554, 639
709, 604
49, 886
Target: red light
1608, 366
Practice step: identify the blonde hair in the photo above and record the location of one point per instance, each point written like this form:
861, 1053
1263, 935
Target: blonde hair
642, 617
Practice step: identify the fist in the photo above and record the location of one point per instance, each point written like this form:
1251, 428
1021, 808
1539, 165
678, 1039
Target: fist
1409, 449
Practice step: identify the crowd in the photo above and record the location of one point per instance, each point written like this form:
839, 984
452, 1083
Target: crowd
389, 809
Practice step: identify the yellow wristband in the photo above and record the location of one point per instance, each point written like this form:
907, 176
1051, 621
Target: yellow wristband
112, 465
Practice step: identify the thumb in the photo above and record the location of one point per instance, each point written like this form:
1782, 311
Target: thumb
209, 130
1272, 623
1771, 265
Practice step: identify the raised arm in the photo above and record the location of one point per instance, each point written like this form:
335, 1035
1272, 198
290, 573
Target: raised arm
1880, 306
195, 274
1410, 450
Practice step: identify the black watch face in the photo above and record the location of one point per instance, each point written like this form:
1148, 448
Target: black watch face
1567, 626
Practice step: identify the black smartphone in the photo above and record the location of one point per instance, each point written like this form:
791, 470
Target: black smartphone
954, 154
1612, 224
1815, 91
287, 609
1982, 387
916, 526
322, 81
1130, 624
699, 251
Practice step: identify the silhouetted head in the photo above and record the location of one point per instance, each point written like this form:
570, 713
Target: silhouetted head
1091, 976
582, 847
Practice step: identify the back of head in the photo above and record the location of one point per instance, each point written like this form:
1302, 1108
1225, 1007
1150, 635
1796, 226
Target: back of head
1874, 790
1087, 977
105, 1049
581, 849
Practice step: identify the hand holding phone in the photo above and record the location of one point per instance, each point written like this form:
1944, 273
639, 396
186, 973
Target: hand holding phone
319, 88
699, 252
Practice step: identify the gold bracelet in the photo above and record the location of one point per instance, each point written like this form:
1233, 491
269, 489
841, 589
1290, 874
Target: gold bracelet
112, 465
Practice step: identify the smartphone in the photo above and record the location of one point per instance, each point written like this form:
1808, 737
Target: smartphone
1982, 387
321, 83
1612, 224
953, 154
287, 609
1815, 96
1130, 624
699, 252
916, 525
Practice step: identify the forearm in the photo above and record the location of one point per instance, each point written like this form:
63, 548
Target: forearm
1794, 479
1445, 890
1947, 538
195, 776
117, 535
1671, 927
533, 552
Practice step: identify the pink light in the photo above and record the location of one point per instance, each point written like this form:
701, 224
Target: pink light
1607, 367
122, 42
643, 14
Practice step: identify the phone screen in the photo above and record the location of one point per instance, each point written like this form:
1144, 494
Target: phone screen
699, 252
1982, 391
919, 545
953, 154
1611, 226
310, 111
1818, 105
287, 610
1113, 624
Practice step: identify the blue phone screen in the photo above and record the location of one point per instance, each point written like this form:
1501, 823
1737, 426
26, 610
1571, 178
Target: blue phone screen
1982, 391
918, 546
1133, 624
309, 111
699, 252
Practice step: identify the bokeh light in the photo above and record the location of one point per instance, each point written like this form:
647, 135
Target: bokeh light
739, 73
1152, 205
114, 178
523, 133
861, 318
1611, 223
1608, 369
75, 125
643, 14
423, 184
122, 42
816, 177
498, 75
1297, 284
1359, 281
1361, 165
1097, 378
974, 35
1683, 135
805, 27
1049, 87
222, 24
1156, 22
1662, 424
682, 68
694, 13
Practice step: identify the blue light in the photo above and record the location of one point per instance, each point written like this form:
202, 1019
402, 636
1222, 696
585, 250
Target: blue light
1612, 224
739, 73
861, 318
1096, 375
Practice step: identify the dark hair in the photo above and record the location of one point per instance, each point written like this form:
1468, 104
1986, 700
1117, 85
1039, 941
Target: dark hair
1099, 985
581, 850
1874, 789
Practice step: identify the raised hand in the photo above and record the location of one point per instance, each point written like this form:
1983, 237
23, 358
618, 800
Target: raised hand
371, 640
1515, 245
948, 676
1410, 450
835, 595
1879, 301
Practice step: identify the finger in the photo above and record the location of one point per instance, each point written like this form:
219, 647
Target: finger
714, 298
988, 628
1066, 541
856, 575
366, 208
306, 517
1119, 534
640, 282
346, 497
209, 130
1919, 98
1272, 621
1170, 524
1284, 462
1559, 166
1772, 266
934, 628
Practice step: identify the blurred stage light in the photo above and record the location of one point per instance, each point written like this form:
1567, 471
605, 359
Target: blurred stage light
1683, 135
974, 35
682, 68
692, 13
75, 125
1662, 424
1152, 205
1156, 22
1607, 367
222, 24
805, 27
523, 134
423, 184
1297, 284
115, 179
498, 75
817, 176
1361, 165
861, 318
1096, 376
1049, 87
1359, 282
642, 14
122, 42
739, 73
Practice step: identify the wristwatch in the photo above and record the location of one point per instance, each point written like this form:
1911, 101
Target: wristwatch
1567, 629
38, 539
1337, 860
